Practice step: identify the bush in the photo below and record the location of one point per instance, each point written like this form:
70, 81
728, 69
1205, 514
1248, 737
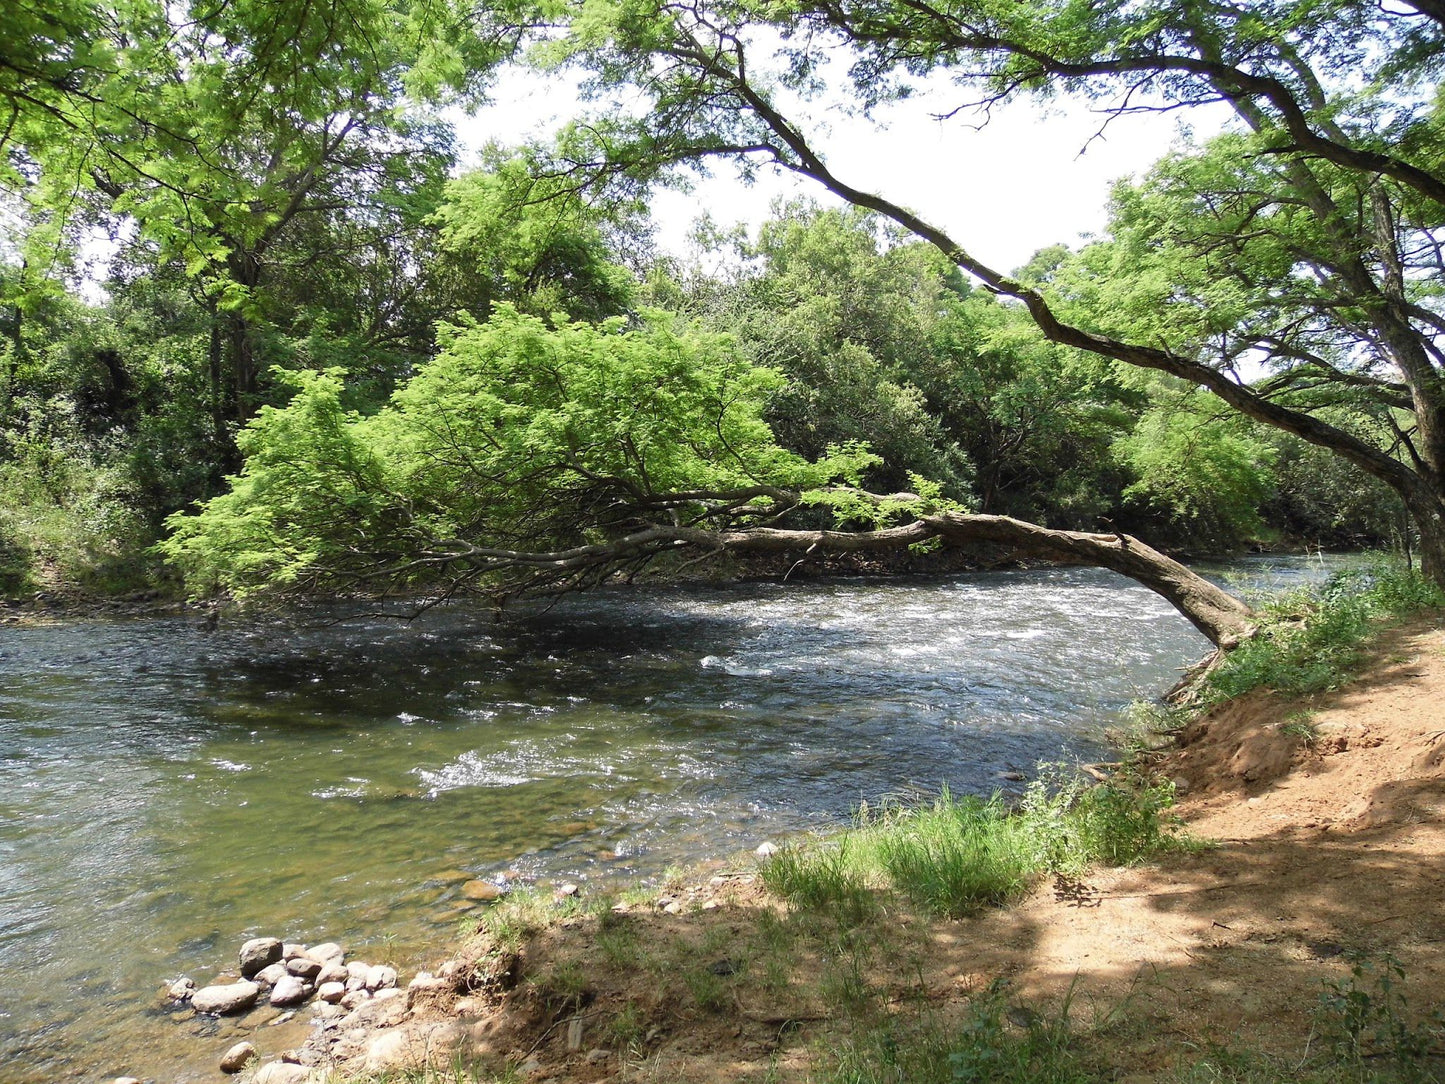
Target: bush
1313, 641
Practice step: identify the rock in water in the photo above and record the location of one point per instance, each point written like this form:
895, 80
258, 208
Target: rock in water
291, 990
235, 1059
484, 891
257, 953
271, 974
303, 967
181, 989
381, 977
327, 953
222, 1000
281, 1072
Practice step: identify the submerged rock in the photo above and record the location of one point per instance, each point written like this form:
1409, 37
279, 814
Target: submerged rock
235, 1059
482, 891
258, 953
181, 989
222, 1000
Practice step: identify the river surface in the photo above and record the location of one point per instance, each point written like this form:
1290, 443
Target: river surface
167, 792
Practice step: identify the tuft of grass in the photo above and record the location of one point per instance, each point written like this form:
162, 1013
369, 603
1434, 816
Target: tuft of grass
958, 856
988, 1049
1301, 726
1313, 640
824, 878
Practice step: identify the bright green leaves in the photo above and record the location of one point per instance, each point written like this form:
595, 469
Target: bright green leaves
517, 436
311, 493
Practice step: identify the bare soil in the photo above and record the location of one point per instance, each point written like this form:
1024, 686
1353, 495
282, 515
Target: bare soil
1328, 825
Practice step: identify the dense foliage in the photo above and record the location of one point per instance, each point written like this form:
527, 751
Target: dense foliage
238, 246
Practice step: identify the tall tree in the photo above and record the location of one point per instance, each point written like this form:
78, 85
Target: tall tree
1335, 178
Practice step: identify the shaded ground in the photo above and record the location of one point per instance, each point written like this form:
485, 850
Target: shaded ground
1329, 820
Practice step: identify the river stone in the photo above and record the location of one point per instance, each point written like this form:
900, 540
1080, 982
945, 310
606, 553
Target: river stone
331, 991
235, 1059
270, 975
290, 950
289, 991
328, 952
257, 953
303, 967
353, 998
282, 1072
380, 977
181, 989
484, 891
358, 970
222, 1000
332, 973
126, 1080
766, 850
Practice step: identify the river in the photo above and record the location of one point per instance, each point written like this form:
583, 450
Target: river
168, 791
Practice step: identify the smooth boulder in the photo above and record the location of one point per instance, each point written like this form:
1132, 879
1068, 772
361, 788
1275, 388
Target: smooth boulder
235, 1059
290, 990
329, 952
258, 953
222, 1000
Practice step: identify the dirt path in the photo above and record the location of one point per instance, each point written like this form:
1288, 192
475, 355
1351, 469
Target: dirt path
1330, 847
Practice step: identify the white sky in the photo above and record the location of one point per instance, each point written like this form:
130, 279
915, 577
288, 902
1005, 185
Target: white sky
1026, 180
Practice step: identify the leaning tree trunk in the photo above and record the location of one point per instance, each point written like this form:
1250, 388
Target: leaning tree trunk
1221, 617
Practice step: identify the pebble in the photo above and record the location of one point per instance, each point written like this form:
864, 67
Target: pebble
568, 889
290, 950
181, 989
358, 970
380, 977
766, 850
331, 991
126, 1080
271, 974
235, 1059
332, 973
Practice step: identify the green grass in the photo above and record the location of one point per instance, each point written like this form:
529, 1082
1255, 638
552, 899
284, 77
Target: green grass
960, 855
1314, 640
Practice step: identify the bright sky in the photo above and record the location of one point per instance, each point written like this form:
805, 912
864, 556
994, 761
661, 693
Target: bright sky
1026, 180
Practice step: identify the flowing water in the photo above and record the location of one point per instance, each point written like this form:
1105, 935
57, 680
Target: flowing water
167, 792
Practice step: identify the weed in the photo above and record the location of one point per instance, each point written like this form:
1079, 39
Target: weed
709, 991
957, 856
1364, 1016
822, 878
561, 987
1301, 726
626, 1029
1312, 641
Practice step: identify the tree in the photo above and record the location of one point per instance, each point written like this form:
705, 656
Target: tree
1334, 182
526, 457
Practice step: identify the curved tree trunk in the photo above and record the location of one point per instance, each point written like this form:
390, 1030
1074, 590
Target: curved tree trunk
1221, 617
